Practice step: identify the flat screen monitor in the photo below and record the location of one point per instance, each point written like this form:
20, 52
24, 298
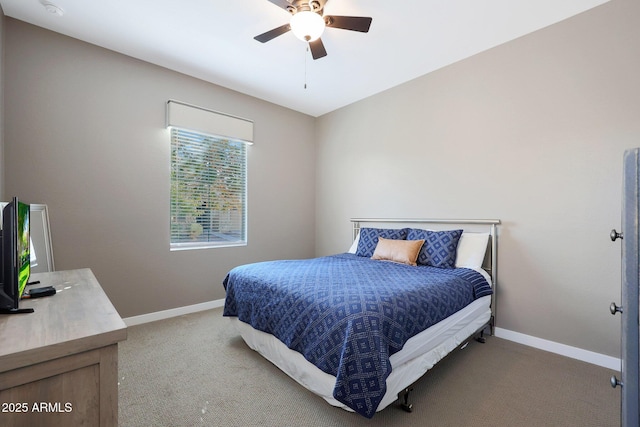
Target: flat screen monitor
16, 267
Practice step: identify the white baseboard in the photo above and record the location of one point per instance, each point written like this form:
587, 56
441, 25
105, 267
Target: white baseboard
561, 349
539, 343
174, 312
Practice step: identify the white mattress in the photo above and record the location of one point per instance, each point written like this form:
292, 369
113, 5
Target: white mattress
419, 354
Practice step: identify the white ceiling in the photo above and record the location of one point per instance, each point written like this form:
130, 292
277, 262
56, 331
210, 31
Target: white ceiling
213, 40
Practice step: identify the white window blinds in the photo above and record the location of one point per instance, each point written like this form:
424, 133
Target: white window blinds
208, 188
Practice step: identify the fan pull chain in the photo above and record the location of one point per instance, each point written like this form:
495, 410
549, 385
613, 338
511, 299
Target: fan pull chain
305, 66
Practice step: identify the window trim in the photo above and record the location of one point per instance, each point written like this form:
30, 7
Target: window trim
205, 121
243, 240
192, 117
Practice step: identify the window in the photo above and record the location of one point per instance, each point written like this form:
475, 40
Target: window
208, 189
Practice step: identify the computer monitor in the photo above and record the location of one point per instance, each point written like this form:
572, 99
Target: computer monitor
15, 256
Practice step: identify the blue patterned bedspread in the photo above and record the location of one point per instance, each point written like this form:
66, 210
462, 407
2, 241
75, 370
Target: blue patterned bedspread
347, 314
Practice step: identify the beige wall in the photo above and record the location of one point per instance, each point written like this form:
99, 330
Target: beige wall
85, 134
531, 132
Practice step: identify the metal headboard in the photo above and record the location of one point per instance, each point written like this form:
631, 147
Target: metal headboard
491, 268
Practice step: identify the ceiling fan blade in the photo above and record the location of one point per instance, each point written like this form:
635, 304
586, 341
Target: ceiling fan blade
317, 49
353, 23
270, 35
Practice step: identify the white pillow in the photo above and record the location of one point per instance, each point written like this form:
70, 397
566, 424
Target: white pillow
354, 246
471, 250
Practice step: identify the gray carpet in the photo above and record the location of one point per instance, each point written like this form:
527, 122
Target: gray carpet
194, 370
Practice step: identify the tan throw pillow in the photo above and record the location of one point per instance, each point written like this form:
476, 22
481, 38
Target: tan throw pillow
402, 251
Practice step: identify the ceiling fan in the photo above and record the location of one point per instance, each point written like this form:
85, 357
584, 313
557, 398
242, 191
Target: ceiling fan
308, 23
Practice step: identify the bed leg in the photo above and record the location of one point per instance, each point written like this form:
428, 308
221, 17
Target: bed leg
404, 400
480, 338
492, 325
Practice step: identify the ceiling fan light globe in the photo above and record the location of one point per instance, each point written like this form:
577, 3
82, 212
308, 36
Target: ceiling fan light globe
307, 26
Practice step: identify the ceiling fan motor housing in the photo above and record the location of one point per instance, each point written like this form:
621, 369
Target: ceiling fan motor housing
306, 5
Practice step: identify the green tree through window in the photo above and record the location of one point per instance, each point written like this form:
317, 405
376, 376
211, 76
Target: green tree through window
208, 190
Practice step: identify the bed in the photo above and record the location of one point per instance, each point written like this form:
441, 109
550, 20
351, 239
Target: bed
359, 330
